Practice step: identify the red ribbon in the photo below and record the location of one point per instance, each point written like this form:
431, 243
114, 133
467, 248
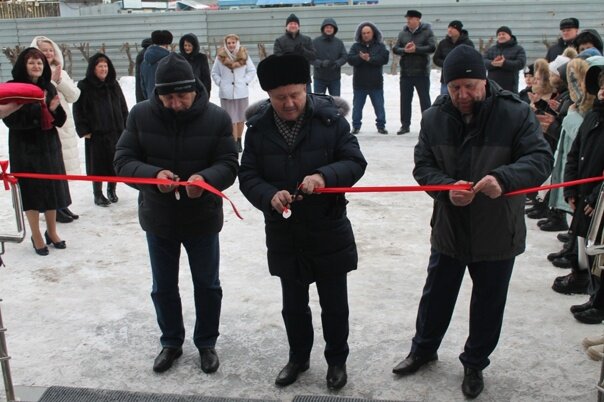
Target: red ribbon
112, 179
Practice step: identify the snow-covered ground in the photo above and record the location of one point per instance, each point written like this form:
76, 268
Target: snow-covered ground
83, 316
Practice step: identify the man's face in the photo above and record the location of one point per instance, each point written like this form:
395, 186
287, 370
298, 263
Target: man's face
367, 34
503, 37
292, 27
453, 33
568, 34
288, 101
328, 30
412, 22
179, 102
465, 92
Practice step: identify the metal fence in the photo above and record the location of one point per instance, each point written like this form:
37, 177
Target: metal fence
535, 24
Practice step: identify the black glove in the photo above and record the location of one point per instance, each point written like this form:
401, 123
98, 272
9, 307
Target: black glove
299, 49
325, 63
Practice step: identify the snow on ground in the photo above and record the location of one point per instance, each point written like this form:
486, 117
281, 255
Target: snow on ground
83, 316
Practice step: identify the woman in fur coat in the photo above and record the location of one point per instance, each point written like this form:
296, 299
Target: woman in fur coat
233, 71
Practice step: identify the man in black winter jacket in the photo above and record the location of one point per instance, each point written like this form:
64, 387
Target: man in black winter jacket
177, 134
456, 36
331, 56
505, 59
293, 41
296, 143
486, 138
569, 28
415, 44
137, 70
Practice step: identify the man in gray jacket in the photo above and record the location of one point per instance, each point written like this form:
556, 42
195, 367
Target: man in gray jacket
415, 44
468, 138
331, 56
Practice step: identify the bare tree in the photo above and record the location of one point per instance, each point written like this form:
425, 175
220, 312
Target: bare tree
67, 58
84, 48
395, 57
131, 63
12, 53
261, 51
546, 42
482, 46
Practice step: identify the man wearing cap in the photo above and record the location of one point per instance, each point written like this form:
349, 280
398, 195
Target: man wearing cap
292, 41
486, 138
569, 28
415, 44
456, 36
505, 59
160, 48
178, 134
331, 56
297, 143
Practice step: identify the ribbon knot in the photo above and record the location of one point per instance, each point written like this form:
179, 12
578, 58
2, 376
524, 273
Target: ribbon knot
6, 178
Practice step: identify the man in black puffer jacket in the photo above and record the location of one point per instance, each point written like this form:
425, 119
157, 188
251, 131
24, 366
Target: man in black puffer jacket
505, 59
569, 28
487, 138
297, 143
176, 134
456, 36
331, 56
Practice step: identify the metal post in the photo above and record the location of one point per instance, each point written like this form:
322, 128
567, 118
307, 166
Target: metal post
4, 358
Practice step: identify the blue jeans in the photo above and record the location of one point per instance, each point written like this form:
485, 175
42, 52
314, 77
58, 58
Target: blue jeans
358, 102
204, 260
407, 84
322, 86
489, 293
333, 298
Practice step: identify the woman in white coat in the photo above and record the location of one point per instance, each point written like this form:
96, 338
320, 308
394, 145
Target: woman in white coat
233, 71
68, 93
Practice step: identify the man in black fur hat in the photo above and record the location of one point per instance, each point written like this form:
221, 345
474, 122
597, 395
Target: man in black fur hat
297, 143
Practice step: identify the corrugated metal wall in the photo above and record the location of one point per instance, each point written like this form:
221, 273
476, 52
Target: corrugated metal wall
532, 23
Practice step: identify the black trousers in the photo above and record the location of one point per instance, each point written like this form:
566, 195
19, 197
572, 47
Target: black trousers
489, 293
333, 298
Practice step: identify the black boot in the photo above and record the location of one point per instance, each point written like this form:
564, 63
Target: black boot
111, 195
99, 198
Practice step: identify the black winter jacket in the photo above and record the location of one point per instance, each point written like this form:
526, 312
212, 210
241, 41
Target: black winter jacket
585, 159
415, 64
196, 141
137, 70
446, 45
504, 141
330, 52
368, 74
317, 240
515, 59
299, 44
557, 49
197, 60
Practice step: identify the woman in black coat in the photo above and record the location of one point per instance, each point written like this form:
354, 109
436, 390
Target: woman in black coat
100, 117
190, 50
34, 147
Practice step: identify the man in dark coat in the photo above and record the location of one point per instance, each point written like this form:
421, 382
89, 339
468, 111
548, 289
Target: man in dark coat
505, 59
296, 143
486, 138
190, 50
158, 50
415, 44
367, 56
456, 36
569, 28
137, 69
331, 56
177, 134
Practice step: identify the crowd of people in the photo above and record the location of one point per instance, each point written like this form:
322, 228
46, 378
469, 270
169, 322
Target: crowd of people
480, 134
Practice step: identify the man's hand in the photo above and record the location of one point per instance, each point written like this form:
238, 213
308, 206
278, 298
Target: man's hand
489, 186
498, 61
461, 198
166, 174
280, 200
311, 182
545, 120
409, 47
588, 210
554, 104
572, 202
194, 191
364, 56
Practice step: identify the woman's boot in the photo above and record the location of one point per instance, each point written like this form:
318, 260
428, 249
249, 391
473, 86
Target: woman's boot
99, 198
111, 192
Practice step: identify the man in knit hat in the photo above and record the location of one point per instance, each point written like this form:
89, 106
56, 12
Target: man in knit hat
160, 48
505, 59
569, 28
415, 44
292, 41
469, 139
175, 135
456, 36
297, 143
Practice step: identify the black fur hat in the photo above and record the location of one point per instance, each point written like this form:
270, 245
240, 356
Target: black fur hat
161, 37
277, 71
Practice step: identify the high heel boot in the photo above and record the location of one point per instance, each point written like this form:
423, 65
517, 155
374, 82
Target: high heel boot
99, 198
111, 195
